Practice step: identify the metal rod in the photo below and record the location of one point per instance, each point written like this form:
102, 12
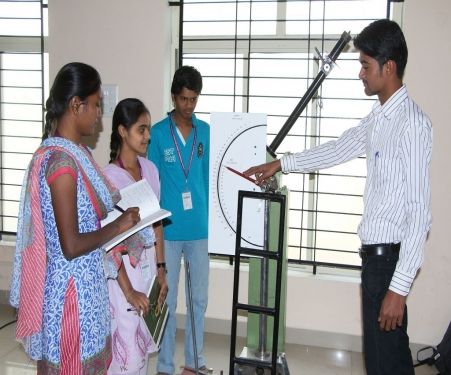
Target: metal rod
180, 62
311, 91
236, 279
190, 304
264, 272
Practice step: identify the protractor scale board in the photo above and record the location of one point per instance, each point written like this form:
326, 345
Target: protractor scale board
237, 142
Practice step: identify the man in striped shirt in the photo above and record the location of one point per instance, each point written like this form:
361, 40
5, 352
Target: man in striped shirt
396, 137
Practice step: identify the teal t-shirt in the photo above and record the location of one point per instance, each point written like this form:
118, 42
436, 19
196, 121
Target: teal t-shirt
183, 224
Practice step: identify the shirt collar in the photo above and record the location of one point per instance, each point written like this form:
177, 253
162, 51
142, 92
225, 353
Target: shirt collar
392, 104
193, 117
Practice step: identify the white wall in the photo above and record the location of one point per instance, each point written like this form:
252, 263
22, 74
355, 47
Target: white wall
128, 42
427, 30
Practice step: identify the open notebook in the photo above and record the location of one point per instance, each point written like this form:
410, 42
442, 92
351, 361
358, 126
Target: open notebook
138, 194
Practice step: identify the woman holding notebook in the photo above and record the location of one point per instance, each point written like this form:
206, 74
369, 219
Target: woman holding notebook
58, 281
140, 257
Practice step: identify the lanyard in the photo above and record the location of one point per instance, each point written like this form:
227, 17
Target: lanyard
185, 171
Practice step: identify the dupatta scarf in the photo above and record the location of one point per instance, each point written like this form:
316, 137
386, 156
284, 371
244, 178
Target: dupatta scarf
29, 270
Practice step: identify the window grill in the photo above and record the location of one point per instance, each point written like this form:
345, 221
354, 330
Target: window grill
259, 56
22, 77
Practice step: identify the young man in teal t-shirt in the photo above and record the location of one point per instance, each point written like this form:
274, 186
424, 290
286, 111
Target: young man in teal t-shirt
179, 148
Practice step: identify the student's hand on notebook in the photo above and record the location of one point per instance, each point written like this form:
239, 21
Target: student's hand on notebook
128, 219
139, 302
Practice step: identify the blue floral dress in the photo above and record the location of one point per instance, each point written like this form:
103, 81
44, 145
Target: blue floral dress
75, 329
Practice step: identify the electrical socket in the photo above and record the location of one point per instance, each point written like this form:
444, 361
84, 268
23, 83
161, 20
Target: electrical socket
109, 99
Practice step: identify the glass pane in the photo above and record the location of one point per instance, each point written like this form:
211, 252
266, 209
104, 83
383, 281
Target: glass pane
221, 86
20, 144
334, 127
214, 104
337, 222
355, 167
9, 224
21, 78
21, 61
300, 200
15, 160
30, 27
338, 257
213, 19
24, 128
275, 123
332, 17
22, 111
288, 65
276, 106
337, 241
14, 177
46, 20
283, 87
11, 192
209, 29
343, 89
354, 10
212, 64
293, 143
353, 109
21, 95
17, 9
340, 203
293, 252
259, 11
10, 208
205, 11
340, 185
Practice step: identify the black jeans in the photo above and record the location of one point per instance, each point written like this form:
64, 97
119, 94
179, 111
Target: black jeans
385, 353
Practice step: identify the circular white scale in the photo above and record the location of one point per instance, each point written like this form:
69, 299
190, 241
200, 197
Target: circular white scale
237, 140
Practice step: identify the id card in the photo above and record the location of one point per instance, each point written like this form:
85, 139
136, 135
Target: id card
187, 202
145, 269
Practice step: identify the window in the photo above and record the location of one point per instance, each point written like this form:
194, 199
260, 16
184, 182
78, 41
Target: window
22, 76
260, 56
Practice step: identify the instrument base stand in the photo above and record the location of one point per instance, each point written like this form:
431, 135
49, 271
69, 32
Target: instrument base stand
252, 354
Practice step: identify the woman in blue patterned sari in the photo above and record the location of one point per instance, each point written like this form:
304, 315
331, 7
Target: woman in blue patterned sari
59, 280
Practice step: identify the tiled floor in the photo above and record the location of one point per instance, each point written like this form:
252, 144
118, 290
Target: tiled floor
302, 360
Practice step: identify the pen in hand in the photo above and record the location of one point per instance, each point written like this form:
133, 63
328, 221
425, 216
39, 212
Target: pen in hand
133, 309
119, 208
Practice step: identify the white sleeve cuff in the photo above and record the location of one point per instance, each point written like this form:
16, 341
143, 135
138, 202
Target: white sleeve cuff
288, 163
401, 283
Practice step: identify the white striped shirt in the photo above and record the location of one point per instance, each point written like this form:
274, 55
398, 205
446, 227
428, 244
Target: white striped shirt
397, 141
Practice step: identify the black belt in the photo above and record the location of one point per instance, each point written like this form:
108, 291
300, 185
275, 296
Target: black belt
382, 249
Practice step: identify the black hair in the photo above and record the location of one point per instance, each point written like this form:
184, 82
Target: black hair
126, 113
73, 79
384, 40
186, 77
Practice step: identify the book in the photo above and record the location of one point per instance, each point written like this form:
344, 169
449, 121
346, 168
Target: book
138, 194
158, 313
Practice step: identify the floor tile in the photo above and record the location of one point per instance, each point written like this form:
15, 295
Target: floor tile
301, 360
